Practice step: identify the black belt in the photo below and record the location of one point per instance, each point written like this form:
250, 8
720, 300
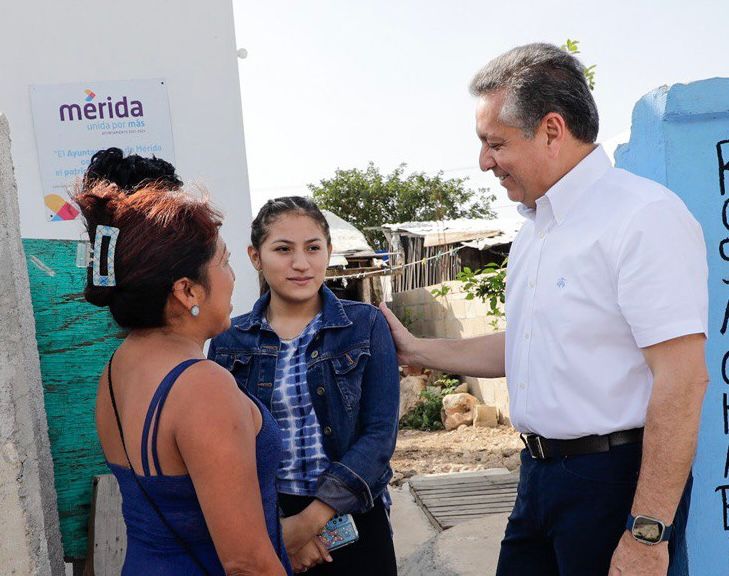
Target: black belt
542, 448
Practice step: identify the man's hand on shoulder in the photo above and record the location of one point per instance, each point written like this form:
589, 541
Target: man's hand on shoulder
633, 558
405, 342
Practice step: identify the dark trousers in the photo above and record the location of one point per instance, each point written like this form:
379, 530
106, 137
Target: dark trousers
571, 512
372, 555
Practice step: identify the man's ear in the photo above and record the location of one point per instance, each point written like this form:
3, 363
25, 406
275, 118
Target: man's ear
555, 130
255, 257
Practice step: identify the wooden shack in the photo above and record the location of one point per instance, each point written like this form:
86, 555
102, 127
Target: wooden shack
354, 267
428, 253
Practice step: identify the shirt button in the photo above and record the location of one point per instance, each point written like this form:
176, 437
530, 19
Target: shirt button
327, 431
320, 391
315, 353
526, 335
522, 386
531, 284
541, 234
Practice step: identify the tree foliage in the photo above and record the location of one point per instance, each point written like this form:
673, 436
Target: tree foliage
573, 47
488, 284
368, 199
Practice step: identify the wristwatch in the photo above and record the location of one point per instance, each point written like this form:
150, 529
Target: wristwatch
648, 530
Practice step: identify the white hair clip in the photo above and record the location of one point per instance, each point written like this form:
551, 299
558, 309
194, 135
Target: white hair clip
112, 234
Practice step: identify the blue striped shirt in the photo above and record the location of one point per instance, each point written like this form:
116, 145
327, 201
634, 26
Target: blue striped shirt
303, 459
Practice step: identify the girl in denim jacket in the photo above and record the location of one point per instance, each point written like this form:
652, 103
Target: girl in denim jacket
327, 370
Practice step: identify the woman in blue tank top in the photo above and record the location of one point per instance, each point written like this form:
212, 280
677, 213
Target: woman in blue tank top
195, 459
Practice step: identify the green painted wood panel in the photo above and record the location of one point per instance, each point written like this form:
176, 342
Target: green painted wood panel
75, 339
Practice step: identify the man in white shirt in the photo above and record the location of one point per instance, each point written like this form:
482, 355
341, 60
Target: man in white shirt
606, 311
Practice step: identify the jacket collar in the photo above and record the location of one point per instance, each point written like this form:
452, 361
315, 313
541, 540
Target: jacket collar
332, 312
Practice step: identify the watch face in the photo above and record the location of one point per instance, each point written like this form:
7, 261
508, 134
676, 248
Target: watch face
648, 530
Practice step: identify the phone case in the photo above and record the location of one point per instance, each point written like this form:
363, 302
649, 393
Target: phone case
339, 531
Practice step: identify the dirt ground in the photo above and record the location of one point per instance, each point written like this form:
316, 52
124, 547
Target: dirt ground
468, 448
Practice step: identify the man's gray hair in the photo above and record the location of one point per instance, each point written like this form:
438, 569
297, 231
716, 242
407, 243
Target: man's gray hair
539, 79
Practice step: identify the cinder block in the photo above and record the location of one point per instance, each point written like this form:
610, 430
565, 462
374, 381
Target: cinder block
430, 329
424, 296
405, 299
475, 309
440, 328
458, 309
480, 389
417, 328
454, 329
428, 311
491, 391
486, 416
401, 299
473, 327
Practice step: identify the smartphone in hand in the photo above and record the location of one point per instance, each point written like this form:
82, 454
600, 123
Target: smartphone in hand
339, 532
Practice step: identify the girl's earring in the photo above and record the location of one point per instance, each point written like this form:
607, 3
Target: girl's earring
195, 311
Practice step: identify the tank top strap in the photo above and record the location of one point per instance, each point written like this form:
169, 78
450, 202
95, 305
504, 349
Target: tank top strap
154, 412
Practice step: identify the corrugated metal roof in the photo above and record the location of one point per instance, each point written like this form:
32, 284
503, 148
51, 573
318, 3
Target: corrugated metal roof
347, 241
475, 232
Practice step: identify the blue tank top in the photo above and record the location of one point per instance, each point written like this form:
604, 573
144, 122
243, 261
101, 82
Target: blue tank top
152, 548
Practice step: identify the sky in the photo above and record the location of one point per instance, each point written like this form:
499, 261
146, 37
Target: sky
336, 84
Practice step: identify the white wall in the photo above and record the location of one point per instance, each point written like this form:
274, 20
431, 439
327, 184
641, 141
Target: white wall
189, 43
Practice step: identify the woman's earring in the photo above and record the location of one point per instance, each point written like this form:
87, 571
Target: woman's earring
195, 311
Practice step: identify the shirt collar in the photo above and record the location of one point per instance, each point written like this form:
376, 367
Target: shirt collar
567, 190
563, 195
525, 211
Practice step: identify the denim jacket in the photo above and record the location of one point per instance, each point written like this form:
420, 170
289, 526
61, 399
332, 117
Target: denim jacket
353, 380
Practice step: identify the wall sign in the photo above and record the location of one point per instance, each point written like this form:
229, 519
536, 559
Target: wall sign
73, 121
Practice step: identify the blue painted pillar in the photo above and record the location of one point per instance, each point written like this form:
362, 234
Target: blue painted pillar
680, 138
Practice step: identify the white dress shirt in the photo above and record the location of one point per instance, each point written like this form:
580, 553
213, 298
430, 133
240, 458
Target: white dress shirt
606, 264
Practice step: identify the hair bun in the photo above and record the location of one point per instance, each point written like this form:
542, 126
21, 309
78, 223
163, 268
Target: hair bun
131, 172
104, 164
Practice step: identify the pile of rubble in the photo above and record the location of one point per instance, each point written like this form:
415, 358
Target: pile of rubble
460, 408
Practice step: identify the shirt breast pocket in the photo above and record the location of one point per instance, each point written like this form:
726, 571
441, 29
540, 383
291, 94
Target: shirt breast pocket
349, 371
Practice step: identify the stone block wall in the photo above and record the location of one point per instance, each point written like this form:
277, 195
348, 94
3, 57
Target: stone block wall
452, 316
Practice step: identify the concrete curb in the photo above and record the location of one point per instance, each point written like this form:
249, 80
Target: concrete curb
468, 549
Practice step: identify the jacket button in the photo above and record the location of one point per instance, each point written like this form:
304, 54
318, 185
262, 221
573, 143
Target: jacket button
327, 431
315, 353
320, 391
